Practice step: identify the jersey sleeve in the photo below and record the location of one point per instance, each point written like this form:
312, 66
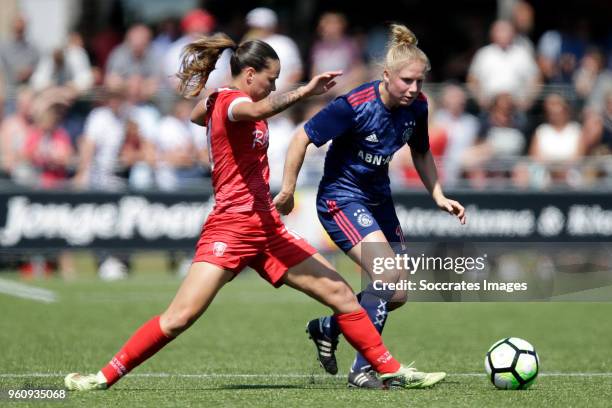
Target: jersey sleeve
233, 102
419, 142
224, 101
332, 121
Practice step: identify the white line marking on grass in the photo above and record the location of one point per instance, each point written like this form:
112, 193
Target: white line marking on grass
551, 374
281, 376
24, 291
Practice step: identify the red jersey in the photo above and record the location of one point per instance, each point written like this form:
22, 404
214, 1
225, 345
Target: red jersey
238, 156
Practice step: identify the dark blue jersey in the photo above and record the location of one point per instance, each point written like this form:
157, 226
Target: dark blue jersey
365, 136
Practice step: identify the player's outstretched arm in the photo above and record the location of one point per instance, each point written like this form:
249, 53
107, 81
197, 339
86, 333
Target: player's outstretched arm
293, 163
426, 167
276, 103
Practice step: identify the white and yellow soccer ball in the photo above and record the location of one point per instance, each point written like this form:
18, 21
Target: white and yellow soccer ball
512, 364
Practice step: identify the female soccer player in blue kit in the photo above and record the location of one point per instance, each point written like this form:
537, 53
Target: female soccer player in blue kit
367, 126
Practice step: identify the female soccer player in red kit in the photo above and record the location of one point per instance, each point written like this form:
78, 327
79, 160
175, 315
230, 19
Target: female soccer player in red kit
244, 228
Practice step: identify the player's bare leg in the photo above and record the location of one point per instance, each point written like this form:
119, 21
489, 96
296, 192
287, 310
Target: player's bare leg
379, 247
197, 291
201, 285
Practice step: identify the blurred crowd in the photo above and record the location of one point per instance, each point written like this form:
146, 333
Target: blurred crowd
531, 113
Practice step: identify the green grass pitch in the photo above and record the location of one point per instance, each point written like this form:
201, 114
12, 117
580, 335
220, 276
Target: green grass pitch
250, 348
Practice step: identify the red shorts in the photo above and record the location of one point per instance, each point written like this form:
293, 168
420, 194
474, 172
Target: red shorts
260, 240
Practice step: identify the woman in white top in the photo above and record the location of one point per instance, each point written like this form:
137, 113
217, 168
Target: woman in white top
557, 142
558, 138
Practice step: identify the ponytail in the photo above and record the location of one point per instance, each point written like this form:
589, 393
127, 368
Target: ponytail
401, 35
198, 60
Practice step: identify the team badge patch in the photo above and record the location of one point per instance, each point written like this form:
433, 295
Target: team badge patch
219, 248
407, 134
409, 130
364, 219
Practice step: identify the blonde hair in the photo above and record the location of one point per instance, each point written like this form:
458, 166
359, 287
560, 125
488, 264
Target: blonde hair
198, 60
402, 47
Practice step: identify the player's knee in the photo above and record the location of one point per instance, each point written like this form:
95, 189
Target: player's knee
174, 323
395, 305
399, 299
341, 298
394, 276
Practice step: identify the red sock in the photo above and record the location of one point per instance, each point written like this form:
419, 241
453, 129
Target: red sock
363, 336
145, 342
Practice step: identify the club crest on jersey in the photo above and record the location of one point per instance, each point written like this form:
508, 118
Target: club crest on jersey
363, 218
219, 248
260, 139
408, 132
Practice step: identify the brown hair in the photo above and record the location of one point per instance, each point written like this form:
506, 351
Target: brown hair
200, 57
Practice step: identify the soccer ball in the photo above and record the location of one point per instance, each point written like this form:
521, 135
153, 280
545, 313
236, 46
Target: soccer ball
512, 364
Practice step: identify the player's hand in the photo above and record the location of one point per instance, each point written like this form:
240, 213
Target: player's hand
452, 207
284, 202
321, 83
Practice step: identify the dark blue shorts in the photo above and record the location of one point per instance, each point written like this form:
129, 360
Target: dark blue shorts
347, 222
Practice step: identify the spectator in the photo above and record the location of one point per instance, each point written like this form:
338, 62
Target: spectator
558, 56
592, 80
17, 60
558, 138
101, 143
597, 144
503, 127
144, 120
136, 157
195, 24
68, 67
168, 31
504, 67
461, 128
263, 23
606, 132
523, 20
102, 149
13, 133
502, 140
134, 57
555, 145
597, 129
181, 148
101, 45
47, 156
48, 149
140, 109
334, 50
